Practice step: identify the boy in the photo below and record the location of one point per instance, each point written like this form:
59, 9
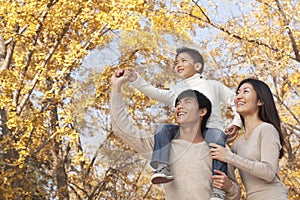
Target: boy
189, 65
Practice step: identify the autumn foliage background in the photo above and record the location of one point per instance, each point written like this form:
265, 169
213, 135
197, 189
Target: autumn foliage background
56, 60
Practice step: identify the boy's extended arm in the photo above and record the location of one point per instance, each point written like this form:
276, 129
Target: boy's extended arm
165, 96
227, 96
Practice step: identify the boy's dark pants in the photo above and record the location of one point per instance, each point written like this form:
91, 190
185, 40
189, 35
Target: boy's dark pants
162, 143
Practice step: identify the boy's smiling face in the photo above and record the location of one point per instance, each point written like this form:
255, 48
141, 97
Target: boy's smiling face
185, 66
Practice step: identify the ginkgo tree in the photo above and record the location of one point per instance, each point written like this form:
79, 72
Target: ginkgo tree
42, 44
49, 101
261, 40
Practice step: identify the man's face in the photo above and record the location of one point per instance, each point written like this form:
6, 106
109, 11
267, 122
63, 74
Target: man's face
184, 66
187, 111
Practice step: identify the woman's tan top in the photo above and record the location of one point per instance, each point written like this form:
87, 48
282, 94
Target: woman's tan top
257, 161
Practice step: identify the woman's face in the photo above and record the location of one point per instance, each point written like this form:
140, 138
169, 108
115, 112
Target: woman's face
246, 101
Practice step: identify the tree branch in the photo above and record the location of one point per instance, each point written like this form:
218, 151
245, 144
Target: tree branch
289, 31
294, 116
254, 41
43, 65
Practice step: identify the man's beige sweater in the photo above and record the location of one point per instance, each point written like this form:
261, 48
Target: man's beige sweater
190, 163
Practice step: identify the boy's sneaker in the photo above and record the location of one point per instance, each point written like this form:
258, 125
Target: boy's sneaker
217, 194
162, 175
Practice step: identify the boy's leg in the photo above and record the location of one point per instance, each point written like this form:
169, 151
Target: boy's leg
214, 135
160, 156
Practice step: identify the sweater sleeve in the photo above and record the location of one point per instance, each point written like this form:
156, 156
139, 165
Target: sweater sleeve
165, 96
227, 96
138, 139
267, 167
235, 192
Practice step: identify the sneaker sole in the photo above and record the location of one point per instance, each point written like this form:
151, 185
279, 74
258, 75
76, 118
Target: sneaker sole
161, 180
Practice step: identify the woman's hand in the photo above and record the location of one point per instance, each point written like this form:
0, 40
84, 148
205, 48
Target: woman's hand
218, 152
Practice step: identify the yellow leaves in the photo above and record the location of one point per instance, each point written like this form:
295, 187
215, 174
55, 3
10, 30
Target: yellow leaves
11, 123
198, 14
176, 19
291, 179
21, 14
49, 95
78, 158
139, 40
294, 79
46, 133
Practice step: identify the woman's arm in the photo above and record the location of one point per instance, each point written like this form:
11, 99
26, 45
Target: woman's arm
267, 167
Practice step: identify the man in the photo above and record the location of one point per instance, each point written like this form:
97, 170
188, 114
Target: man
190, 159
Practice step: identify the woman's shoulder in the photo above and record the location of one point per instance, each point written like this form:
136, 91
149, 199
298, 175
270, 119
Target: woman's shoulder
266, 126
267, 130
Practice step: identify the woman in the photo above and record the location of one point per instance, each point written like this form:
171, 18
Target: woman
256, 154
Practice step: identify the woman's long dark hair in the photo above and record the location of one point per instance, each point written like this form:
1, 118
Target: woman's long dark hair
267, 112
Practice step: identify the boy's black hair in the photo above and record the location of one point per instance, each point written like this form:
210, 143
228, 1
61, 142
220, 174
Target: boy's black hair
202, 100
196, 56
